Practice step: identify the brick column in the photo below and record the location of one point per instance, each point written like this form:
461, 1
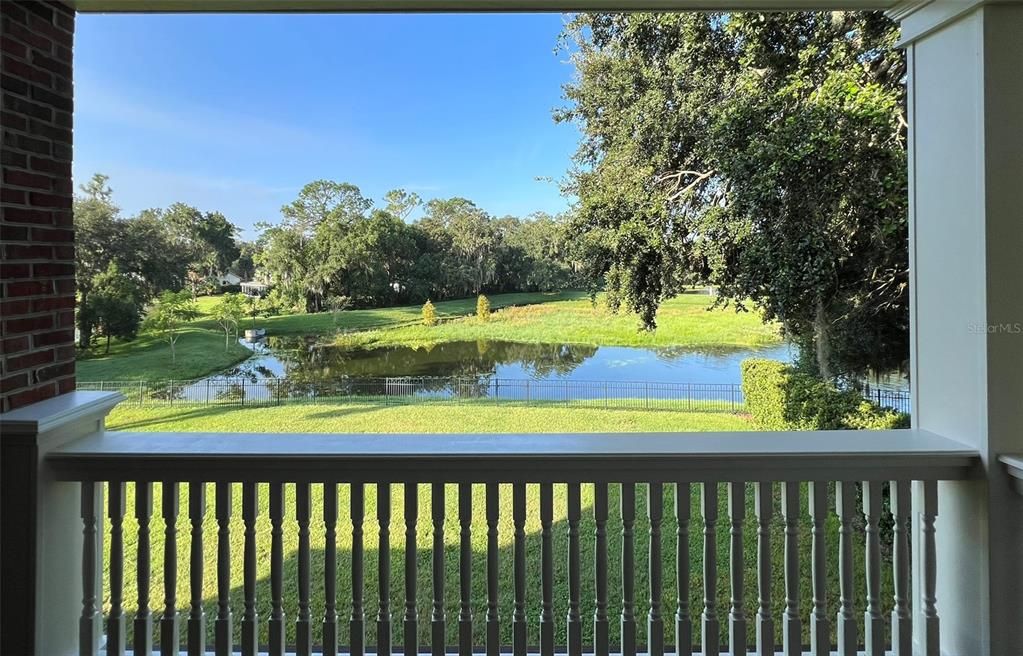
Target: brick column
37, 295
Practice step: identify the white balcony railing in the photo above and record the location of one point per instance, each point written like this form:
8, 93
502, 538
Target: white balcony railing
791, 476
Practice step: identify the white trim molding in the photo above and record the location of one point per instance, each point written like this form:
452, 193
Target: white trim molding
440, 6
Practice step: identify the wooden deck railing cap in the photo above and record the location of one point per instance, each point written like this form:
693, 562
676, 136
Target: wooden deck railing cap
51, 414
638, 457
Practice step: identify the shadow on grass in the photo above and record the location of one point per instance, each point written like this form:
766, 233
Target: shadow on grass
394, 591
206, 412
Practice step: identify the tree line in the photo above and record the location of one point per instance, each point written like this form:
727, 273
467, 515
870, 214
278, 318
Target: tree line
332, 249
122, 263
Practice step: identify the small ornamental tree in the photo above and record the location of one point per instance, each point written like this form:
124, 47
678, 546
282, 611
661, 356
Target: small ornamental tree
228, 313
429, 314
483, 308
168, 315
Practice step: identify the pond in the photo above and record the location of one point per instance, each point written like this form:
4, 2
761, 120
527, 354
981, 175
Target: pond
302, 368
306, 360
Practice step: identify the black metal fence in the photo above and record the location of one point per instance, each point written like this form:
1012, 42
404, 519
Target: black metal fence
894, 399
695, 397
701, 397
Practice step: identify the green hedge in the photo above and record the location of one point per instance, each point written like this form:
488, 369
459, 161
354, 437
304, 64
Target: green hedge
780, 398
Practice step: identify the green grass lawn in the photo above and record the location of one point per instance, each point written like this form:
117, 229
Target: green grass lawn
685, 321
324, 323
367, 417
200, 351
314, 418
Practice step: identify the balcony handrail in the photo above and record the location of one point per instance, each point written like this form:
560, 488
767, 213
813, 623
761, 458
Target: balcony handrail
910, 454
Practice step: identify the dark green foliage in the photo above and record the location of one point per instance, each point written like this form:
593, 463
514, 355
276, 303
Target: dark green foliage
763, 383
778, 397
333, 243
761, 153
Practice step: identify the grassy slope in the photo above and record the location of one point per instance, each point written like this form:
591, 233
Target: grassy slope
324, 323
200, 351
353, 418
684, 321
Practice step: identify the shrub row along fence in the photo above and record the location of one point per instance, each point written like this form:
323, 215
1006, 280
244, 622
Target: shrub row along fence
695, 397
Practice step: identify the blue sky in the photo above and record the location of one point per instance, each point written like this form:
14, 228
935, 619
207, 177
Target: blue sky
236, 112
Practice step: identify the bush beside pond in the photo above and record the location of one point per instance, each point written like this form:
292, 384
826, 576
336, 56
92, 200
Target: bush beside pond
780, 398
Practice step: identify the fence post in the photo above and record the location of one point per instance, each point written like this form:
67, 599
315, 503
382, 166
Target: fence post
207, 391
527, 392
605, 395
141, 383
646, 392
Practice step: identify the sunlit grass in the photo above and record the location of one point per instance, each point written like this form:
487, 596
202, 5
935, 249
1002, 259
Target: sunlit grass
686, 321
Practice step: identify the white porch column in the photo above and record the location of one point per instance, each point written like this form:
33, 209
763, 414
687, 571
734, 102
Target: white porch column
966, 209
42, 524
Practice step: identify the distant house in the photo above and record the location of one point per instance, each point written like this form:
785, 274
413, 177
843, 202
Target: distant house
253, 288
227, 279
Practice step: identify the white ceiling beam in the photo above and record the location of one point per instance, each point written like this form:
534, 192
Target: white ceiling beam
368, 6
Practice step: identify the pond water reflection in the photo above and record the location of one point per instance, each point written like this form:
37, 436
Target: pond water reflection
305, 361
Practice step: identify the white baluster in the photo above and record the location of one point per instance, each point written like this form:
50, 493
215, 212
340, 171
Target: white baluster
493, 620
820, 631
845, 507
330, 637
142, 641
384, 569
736, 569
655, 621
250, 616
465, 569
437, 617
765, 624
411, 516
931, 644
89, 625
711, 627
873, 622
169, 624
792, 625
902, 620
115, 621
628, 505
303, 621
196, 614
546, 570
683, 618
573, 625
601, 645
222, 626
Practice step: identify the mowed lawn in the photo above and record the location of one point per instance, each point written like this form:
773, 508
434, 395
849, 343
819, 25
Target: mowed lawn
326, 323
686, 321
200, 351
341, 419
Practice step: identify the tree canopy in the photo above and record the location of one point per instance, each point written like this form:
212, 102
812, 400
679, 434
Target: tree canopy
761, 153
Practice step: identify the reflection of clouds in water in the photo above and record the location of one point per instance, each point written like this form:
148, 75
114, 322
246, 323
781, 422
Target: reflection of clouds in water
618, 362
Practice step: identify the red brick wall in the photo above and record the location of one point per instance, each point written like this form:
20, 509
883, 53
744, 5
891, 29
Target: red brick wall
37, 294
